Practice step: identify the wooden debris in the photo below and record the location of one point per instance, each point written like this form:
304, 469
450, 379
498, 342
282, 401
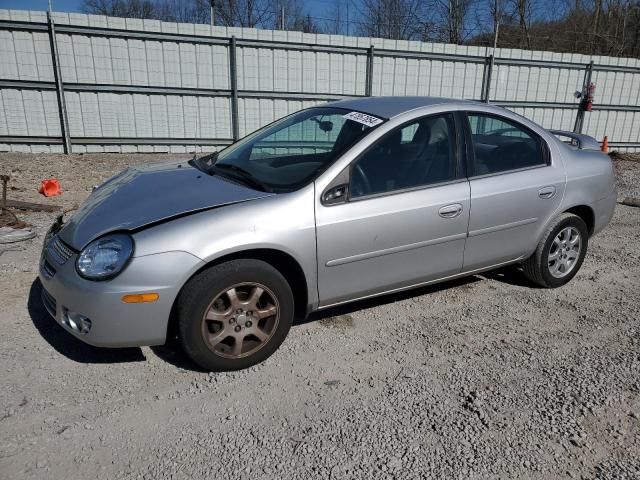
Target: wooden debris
36, 207
630, 202
3, 204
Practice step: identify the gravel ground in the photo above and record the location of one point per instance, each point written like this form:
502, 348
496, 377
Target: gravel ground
486, 377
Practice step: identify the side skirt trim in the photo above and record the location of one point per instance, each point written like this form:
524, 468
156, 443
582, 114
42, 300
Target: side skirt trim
422, 284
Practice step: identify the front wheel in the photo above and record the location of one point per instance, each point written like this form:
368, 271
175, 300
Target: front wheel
234, 315
560, 253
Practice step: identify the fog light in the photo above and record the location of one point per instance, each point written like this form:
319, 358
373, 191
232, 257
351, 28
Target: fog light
76, 322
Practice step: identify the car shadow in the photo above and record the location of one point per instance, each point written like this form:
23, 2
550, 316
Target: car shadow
172, 352
511, 275
352, 307
65, 343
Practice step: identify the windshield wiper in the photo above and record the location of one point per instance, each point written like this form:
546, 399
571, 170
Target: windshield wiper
241, 174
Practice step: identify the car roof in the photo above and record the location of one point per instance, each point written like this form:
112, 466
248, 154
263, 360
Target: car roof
389, 107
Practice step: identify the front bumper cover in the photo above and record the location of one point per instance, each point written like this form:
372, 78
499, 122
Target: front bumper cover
113, 322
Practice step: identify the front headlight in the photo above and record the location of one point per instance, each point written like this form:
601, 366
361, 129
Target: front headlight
105, 257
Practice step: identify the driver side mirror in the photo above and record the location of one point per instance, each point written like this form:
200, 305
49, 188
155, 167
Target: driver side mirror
335, 195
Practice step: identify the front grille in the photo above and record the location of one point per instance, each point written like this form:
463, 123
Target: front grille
59, 251
49, 302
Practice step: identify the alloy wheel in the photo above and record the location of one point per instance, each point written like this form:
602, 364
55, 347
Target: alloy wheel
240, 320
564, 252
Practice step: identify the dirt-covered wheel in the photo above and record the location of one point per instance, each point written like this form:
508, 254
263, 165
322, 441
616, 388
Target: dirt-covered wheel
235, 314
559, 253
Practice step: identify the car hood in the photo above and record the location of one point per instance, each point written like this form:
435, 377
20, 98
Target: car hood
141, 196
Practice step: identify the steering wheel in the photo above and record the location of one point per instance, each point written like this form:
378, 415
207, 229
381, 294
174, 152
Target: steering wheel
360, 178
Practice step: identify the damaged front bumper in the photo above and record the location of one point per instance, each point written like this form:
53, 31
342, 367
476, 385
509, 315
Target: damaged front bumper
94, 311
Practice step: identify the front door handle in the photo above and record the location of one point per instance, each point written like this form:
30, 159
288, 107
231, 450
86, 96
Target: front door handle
547, 192
450, 211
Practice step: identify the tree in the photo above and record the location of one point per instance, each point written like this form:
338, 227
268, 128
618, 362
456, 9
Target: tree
524, 11
394, 19
121, 8
570, 27
498, 12
230, 13
291, 15
450, 19
245, 13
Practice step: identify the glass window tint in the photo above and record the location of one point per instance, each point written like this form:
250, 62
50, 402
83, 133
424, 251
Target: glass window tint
314, 135
500, 145
422, 152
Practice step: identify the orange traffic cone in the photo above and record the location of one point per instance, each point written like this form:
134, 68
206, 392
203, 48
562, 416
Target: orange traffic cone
50, 187
605, 144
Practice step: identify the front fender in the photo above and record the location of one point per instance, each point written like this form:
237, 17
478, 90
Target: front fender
283, 222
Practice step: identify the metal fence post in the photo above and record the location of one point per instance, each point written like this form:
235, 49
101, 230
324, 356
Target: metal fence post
368, 89
62, 104
577, 128
233, 73
486, 79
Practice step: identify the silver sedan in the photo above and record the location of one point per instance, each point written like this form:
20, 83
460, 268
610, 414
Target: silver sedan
331, 204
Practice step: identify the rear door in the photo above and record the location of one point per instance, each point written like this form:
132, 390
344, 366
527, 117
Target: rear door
515, 189
405, 221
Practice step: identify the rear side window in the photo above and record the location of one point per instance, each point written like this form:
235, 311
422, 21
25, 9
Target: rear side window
500, 145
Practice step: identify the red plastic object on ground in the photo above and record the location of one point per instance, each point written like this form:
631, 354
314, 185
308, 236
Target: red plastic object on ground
50, 187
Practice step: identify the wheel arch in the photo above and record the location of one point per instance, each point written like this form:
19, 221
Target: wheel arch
288, 266
586, 213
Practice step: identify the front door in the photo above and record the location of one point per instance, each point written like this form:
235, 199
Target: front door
405, 221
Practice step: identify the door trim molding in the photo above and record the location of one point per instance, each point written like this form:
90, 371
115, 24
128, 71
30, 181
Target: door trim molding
504, 226
392, 250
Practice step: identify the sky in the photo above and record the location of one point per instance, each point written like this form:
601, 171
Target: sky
317, 8
74, 5
42, 5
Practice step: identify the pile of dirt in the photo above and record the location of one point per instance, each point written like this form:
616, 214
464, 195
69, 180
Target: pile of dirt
627, 157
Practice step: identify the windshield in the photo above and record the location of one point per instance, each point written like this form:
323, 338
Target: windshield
292, 151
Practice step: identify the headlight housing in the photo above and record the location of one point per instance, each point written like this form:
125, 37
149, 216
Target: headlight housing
105, 257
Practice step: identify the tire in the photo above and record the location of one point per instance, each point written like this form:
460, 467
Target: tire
541, 269
243, 326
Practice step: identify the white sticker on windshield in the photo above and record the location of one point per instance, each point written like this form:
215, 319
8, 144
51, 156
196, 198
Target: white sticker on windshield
368, 120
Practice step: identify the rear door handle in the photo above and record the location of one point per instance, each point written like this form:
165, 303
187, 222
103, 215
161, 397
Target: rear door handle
547, 192
450, 211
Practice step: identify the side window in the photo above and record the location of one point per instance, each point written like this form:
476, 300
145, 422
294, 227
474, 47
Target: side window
419, 153
500, 145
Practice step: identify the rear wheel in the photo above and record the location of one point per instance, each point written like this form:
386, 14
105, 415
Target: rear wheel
560, 253
234, 315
